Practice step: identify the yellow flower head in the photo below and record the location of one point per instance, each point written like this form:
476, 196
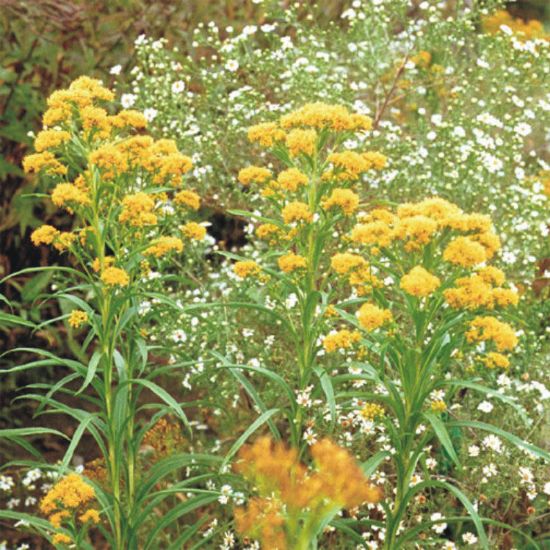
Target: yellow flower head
46, 161
492, 275
45, 234
267, 231
90, 515
137, 210
163, 245
345, 199
377, 233
301, 142
489, 241
345, 262
291, 179
494, 360
171, 168
419, 282
77, 318
189, 199
469, 222
438, 406
254, 174
350, 164
64, 241
372, 317
266, 134
68, 193
417, 230
465, 252
297, 212
343, 339
114, 276
61, 538
109, 159
490, 329
50, 139
291, 262
321, 115
69, 493
371, 411
194, 230
246, 268
132, 118
375, 160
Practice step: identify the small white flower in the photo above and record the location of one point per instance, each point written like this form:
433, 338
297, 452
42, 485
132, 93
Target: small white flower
473, 450
179, 336
178, 86
116, 69
485, 407
232, 65
127, 100
522, 129
310, 437
469, 538
150, 114
438, 527
526, 475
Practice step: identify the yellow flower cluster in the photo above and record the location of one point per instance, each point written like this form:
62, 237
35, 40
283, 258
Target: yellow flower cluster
419, 282
438, 406
46, 162
345, 199
484, 329
494, 360
349, 165
417, 224
45, 234
266, 134
292, 179
68, 193
465, 252
320, 116
137, 210
246, 268
287, 487
254, 174
477, 291
295, 212
371, 317
525, 29
194, 230
188, 198
114, 276
301, 142
291, 262
358, 271
69, 497
343, 339
164, 245
371, 411
77, 318
50, 139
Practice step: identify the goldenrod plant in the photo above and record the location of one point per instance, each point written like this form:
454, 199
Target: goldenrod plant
311, 197
425, 331
132, 212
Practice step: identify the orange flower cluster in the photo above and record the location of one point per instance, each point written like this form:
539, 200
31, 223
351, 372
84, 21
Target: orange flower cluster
108, 147
308, 193
526, 30
70, 497
287, 487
